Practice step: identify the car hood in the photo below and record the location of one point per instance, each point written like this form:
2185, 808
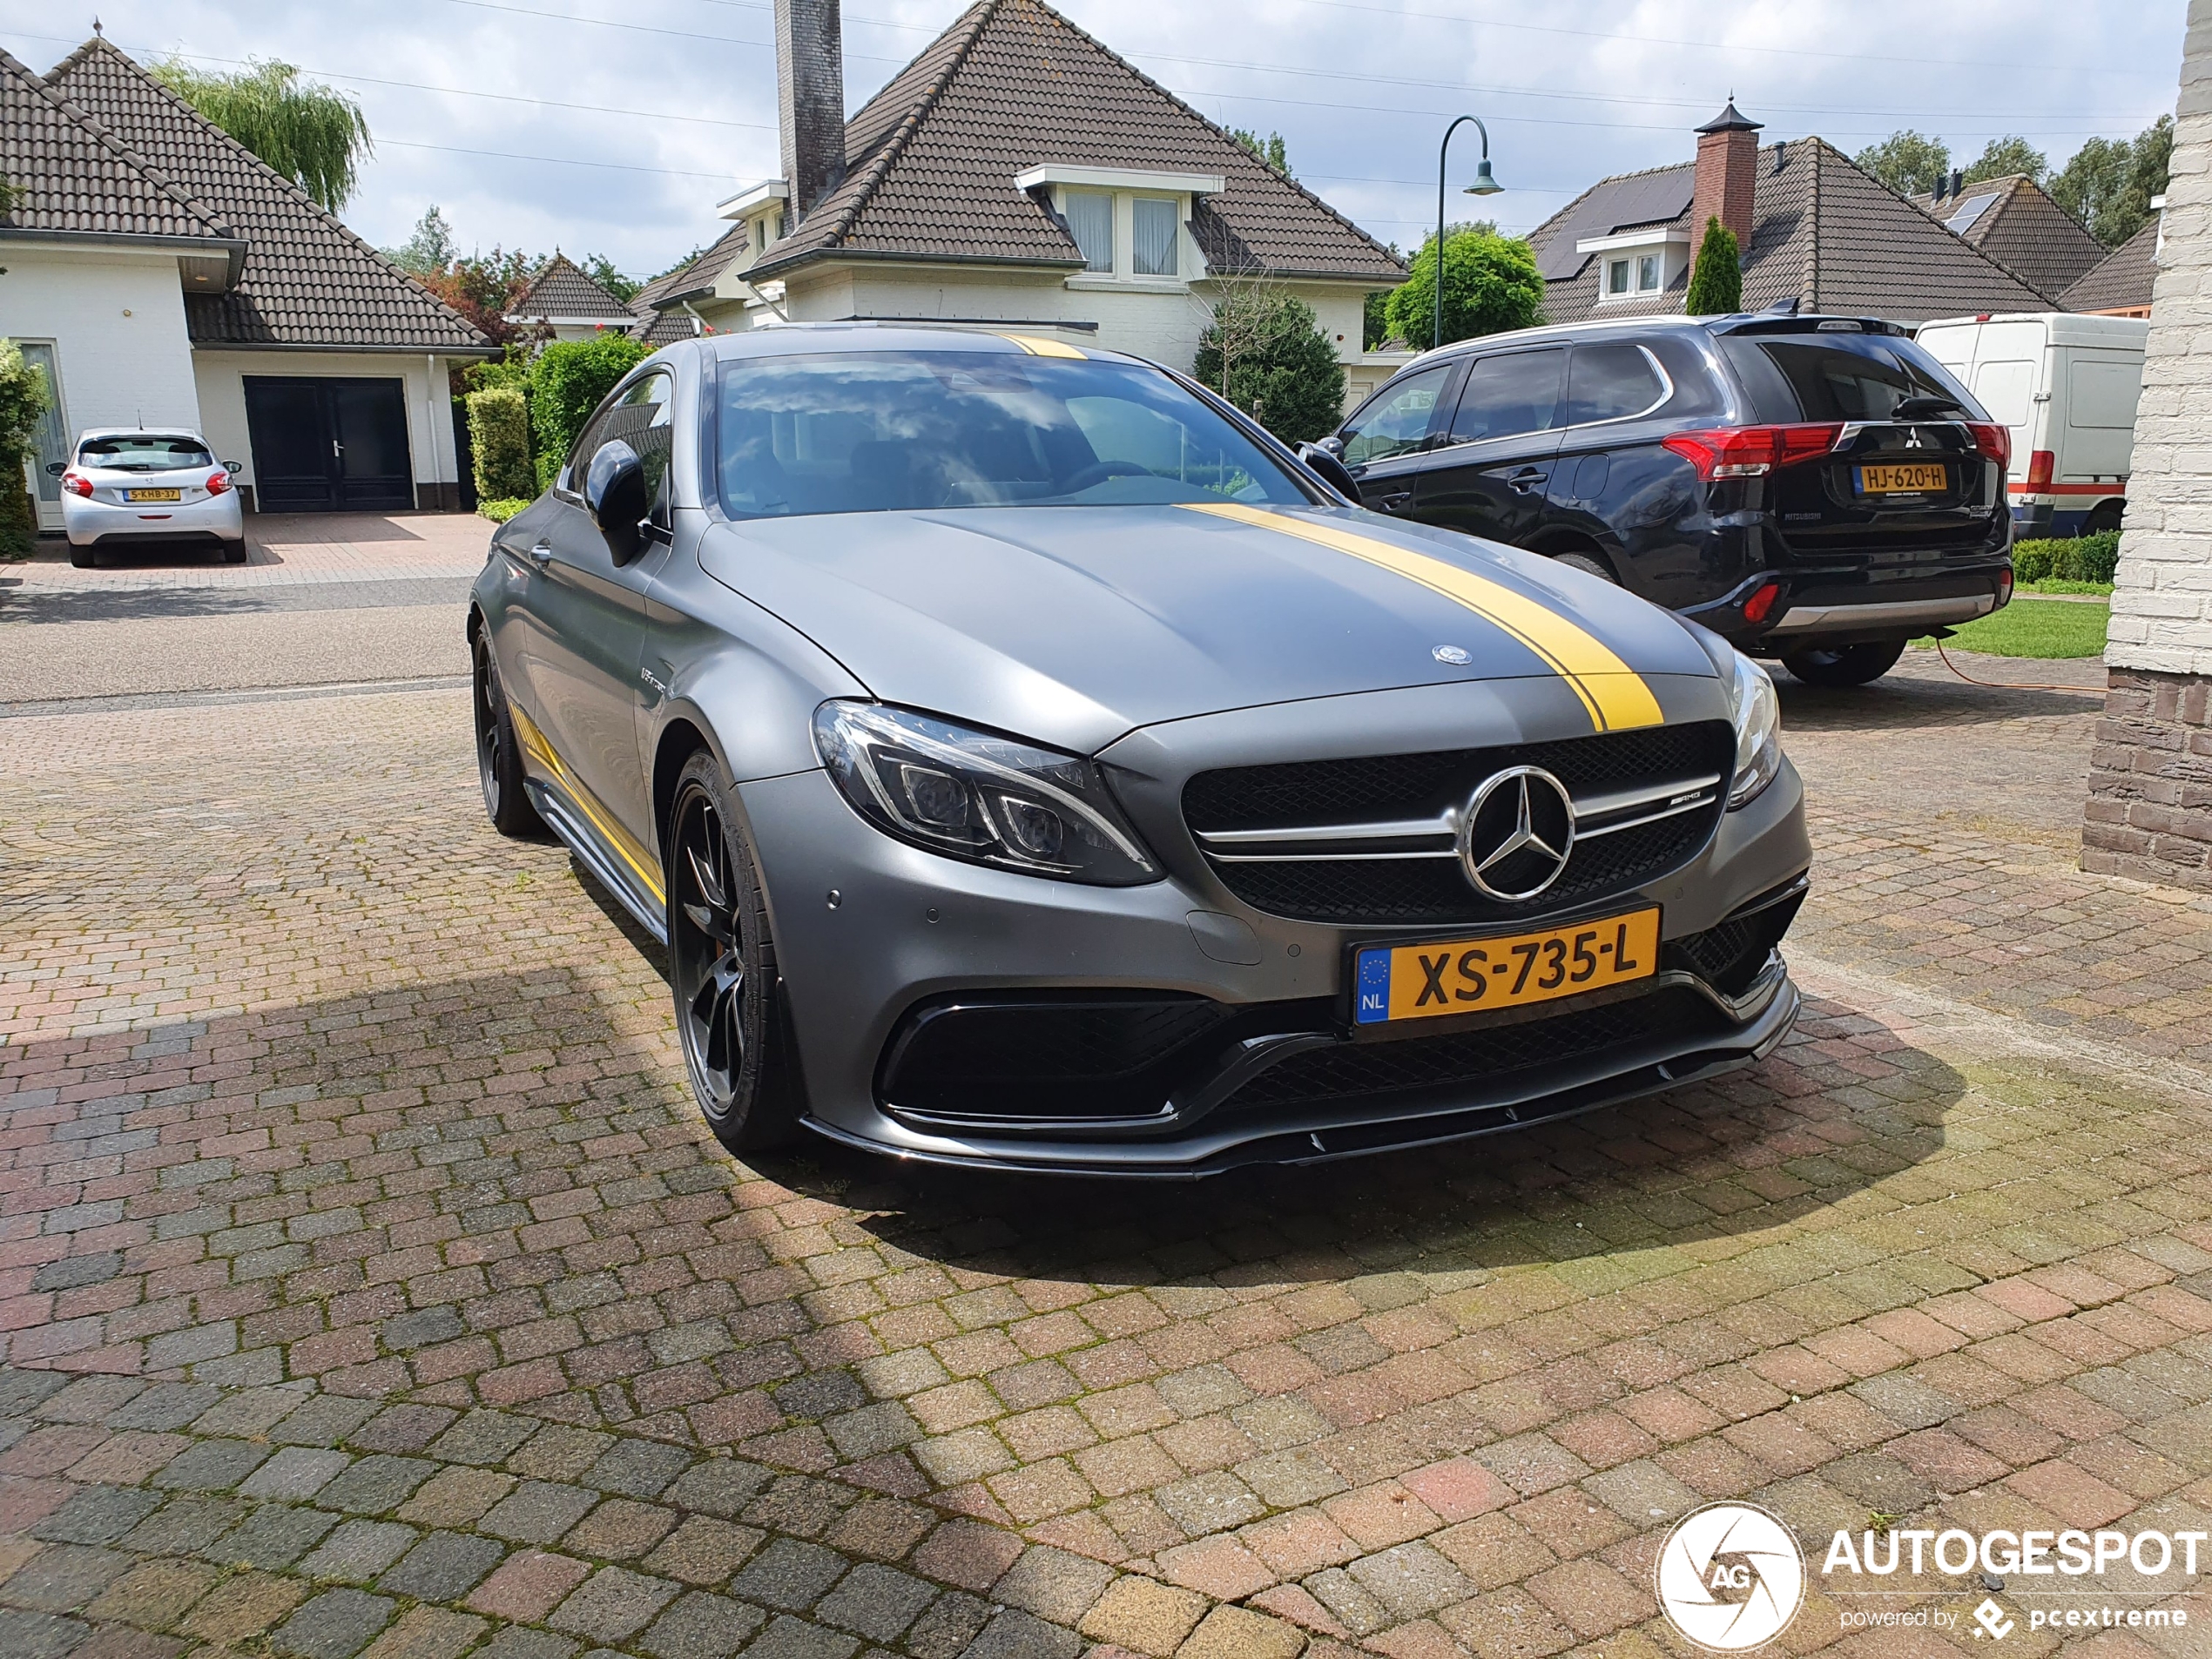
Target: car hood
1072, 625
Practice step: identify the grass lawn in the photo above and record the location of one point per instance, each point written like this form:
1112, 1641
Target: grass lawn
2035, 627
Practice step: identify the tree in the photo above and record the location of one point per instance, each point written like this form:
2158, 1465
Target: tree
1269, 148
1265, 353
24, 396
601, 270
1907, 161
567, 380
2001, 158
430, 249
1491, 284
2109, 183
1717, 280
313, 135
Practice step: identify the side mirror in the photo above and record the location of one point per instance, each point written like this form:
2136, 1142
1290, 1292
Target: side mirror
1334, 444
614, 494
233, 467
55, 469
1322, 463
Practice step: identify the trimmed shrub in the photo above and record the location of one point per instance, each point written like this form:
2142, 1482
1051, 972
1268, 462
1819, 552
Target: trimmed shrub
500, 511
566, 381
1717, 281
23, 397
499, 444
1265, 353
2085, 558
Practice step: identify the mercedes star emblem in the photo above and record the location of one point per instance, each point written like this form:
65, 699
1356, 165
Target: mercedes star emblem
1457, 655
1516, 833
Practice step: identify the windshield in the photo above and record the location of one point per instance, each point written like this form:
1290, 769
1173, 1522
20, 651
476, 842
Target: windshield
1838, 376
874, 432
145, 452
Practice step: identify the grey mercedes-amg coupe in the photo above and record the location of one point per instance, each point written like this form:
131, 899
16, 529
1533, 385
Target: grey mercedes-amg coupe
1030, 763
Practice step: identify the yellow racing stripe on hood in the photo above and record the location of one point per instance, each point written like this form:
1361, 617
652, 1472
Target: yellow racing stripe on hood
1615, 694
1038, 346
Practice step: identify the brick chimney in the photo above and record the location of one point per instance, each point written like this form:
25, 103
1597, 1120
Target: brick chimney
1727, 158
810, 100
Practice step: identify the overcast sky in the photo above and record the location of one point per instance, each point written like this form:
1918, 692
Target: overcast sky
614, 126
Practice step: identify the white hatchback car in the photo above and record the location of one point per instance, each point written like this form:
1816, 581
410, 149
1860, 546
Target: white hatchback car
134, 487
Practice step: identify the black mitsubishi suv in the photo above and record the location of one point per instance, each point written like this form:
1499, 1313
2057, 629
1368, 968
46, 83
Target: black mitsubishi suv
1816, 488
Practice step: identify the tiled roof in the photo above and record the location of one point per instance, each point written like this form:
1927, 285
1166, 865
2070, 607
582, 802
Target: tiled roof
1012, 85
659, 328
660, 319
2123, 277
1821, 229
70, 175
562, 290
307, 281
2012, 220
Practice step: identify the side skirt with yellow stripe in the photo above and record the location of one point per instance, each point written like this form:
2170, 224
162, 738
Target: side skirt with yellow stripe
616, 859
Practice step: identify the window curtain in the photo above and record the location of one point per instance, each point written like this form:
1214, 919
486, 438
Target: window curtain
1157, 222
1090, 221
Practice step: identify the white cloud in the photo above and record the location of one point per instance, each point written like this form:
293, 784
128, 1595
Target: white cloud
679, 106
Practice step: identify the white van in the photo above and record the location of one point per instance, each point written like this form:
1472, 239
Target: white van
2066, 386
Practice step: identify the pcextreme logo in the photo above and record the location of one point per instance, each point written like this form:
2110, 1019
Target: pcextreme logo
1731, 1577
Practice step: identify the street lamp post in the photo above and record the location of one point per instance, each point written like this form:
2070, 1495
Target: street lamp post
1484, 184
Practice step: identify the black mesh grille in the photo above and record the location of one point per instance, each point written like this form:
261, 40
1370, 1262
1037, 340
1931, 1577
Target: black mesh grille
1729, 957
1473, 1057
1424, 785
1101, 1057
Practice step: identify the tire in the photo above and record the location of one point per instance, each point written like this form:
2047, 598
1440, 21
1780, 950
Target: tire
82, 558
722, 968
2102, 517
499, 760
234, 552
1589, 564
1843, 665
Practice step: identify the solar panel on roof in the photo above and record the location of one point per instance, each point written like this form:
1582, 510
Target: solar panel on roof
1616, 204
1972, 208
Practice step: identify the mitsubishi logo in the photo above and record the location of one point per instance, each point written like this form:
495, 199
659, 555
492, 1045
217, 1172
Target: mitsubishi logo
1516, 833
1913, 439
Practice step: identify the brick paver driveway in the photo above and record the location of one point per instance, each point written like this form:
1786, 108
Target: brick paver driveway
368, 1284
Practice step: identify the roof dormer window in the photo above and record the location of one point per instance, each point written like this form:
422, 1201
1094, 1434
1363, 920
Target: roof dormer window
1131, 224
1637, 263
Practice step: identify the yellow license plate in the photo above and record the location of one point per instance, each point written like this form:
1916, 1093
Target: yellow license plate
1503, 970
154, 494
1914, 479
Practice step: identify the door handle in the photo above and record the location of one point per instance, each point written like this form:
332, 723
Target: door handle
1526, 480
541, 551
336, 449
1393, 502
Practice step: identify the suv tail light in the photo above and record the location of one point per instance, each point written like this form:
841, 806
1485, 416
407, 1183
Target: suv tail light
1751, 451
218, 482
77, 483
1993, 440
2041, 463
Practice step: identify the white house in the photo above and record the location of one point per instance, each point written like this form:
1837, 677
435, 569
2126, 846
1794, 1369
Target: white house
165, 275
564, 303
1017, 173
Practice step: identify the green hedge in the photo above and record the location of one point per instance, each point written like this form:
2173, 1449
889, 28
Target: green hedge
499, 443
499, 511
2085, 558
567, 380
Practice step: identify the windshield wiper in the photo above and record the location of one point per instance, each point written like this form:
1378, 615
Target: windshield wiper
1921, 409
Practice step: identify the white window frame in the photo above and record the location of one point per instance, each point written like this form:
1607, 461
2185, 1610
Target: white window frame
1619, 268
1127, 185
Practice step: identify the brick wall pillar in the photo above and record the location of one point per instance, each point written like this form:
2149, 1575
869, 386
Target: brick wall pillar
2150, 812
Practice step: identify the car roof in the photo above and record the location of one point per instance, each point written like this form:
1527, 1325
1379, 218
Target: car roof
1654, 322
93, 435
822, 338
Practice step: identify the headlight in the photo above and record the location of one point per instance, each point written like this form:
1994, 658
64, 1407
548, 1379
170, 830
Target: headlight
1758, 732
978, 796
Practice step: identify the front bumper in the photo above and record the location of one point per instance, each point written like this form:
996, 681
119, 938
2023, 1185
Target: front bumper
867, 929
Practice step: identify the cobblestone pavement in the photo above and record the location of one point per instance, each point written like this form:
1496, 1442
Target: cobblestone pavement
281, 548
367, 1284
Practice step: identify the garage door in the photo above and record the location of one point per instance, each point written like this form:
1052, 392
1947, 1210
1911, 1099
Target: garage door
328, 443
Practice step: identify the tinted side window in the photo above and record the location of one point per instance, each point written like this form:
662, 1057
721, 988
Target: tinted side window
1509, 395
1397, 419
1838, 377
640, 419
1610, 382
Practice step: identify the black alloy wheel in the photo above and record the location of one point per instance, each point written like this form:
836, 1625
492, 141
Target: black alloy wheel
1589, 564
1843, 665
499, 763
722, 968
